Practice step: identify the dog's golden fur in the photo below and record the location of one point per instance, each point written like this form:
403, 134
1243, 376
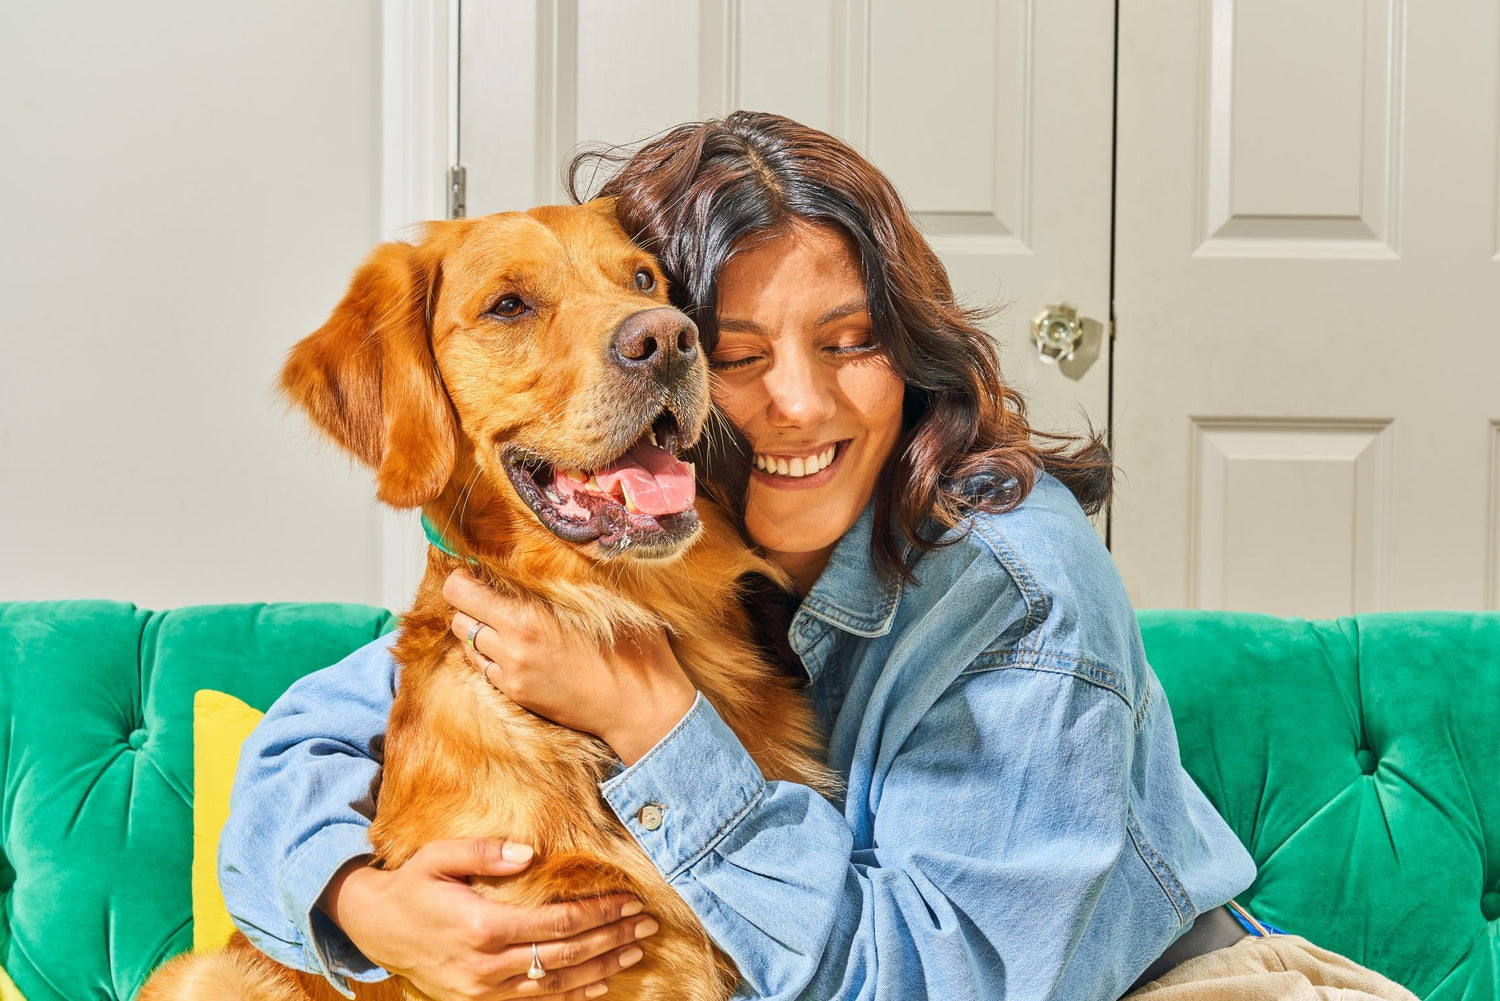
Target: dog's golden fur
414, 377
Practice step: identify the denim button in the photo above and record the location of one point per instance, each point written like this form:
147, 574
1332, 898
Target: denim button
650, 816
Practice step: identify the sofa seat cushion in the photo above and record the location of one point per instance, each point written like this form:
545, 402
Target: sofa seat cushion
97, 762
1359, 761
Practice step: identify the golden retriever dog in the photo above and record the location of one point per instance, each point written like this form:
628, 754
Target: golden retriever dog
522, 379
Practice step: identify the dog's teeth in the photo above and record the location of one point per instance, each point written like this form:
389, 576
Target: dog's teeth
652, 435
593, 483
575, 474
692, 470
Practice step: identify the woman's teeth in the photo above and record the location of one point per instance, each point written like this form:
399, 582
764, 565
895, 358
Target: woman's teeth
798, 466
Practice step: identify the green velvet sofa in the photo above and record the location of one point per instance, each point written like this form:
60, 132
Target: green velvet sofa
1357, 759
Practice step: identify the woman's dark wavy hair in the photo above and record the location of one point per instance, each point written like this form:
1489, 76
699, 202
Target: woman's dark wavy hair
700, 192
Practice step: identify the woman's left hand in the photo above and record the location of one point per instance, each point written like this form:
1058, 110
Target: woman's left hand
629, 695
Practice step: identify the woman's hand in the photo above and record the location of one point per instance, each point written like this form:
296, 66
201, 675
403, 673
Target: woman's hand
425, 922
629, 695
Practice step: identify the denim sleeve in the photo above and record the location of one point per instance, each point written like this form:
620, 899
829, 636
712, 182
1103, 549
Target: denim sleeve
303, 799
996, 821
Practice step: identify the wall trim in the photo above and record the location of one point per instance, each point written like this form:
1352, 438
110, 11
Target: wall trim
419, 142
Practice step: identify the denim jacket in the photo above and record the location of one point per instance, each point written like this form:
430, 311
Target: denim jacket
1016, 822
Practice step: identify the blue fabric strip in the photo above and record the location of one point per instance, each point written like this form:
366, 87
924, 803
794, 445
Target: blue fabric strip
1254, 926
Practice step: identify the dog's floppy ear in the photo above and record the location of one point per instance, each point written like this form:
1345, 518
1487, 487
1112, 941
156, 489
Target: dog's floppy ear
604, 205
369, 380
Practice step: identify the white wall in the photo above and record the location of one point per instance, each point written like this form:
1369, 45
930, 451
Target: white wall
184, 188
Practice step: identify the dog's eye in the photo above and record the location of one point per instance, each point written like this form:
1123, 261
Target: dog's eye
645, 280
510, 306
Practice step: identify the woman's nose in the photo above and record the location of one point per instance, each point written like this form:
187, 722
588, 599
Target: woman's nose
799, 394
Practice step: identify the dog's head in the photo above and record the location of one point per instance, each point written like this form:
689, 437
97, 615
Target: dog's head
535, 350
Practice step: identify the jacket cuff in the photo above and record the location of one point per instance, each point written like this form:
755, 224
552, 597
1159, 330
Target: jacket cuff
303, 878
688, 792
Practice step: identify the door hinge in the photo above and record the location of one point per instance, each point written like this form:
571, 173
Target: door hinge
457, 191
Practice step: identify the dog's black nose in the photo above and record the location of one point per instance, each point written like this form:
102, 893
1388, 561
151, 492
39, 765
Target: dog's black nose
655, 340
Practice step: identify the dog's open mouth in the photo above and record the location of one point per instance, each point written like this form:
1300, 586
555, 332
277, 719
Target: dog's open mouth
641, 500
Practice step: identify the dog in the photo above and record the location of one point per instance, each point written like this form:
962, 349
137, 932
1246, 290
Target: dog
523, 379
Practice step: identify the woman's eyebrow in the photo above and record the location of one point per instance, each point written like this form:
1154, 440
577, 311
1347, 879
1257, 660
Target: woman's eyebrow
748, 326
839, 312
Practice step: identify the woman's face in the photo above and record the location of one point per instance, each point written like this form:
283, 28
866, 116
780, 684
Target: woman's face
797, 371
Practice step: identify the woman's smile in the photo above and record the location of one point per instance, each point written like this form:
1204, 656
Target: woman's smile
802, 469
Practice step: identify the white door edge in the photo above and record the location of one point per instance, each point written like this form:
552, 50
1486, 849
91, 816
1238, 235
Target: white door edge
418, 139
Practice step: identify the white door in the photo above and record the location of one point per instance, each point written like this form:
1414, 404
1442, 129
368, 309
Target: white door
992, 118
1307, 384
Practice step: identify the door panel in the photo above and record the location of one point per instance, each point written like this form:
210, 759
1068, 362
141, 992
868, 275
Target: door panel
1303, 128
1307, 372
992, 119
1242, 471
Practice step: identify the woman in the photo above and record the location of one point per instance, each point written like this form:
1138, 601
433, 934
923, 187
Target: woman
1016, 822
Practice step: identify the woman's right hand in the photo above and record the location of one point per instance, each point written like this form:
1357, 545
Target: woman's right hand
425, 922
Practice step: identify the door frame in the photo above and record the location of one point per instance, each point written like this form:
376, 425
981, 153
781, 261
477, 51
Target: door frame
418, 143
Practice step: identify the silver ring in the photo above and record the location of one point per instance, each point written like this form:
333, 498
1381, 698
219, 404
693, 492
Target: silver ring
484, 670
536, 972
473, 633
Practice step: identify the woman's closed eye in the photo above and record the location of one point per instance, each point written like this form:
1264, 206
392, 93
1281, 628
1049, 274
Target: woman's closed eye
847, 341
862, 347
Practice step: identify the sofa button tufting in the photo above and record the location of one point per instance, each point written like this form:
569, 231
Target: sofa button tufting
1367, 760
7, 877
136, 739
1489, 906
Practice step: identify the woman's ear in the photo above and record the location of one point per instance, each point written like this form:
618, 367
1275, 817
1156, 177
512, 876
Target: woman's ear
369, 380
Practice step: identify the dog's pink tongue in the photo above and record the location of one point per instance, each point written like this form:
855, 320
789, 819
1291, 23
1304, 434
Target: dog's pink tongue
653, 479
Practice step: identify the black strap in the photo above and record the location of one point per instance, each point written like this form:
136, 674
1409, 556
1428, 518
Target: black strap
1211, 930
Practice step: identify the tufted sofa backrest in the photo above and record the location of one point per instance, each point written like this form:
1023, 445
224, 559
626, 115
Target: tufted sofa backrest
96, 757
1359, 761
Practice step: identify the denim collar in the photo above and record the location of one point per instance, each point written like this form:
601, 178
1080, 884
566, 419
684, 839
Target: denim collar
850, 593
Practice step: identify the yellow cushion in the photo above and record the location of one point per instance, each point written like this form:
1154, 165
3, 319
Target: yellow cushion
220, 725
8, 990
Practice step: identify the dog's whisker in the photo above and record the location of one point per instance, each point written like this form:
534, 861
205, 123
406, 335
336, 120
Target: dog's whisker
720, 424
461, 506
